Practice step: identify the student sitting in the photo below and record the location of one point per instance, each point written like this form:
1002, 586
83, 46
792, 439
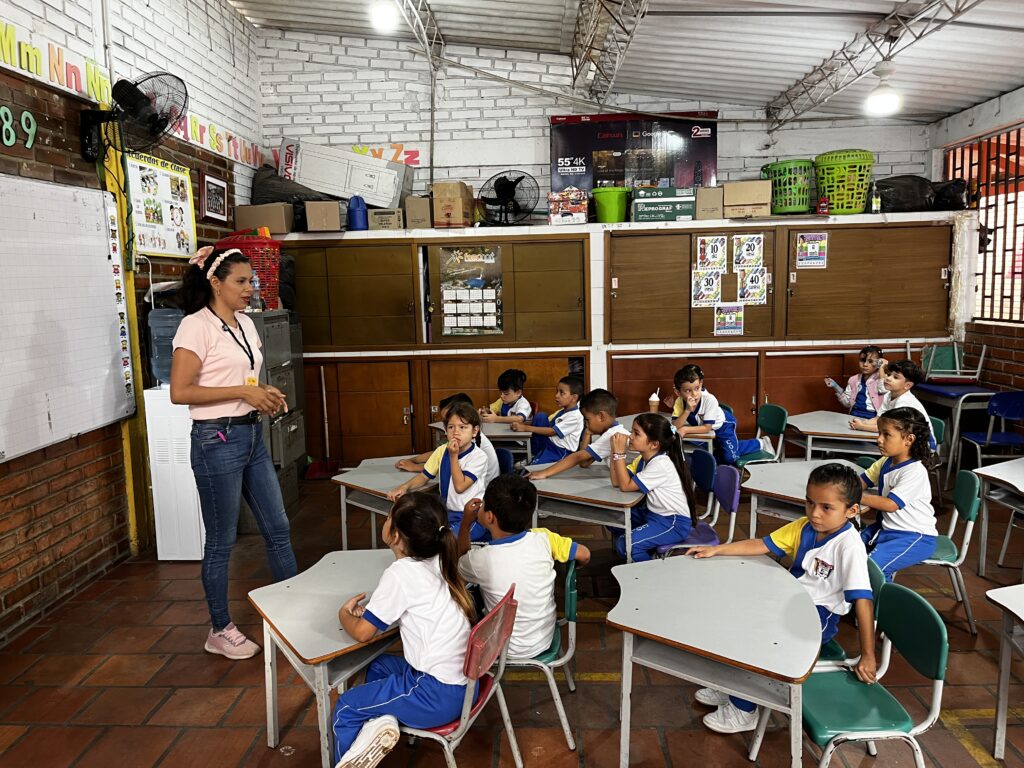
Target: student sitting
598, 407
516, 555
557, 436
864, 394
900, 377
459, 465
416, 463
511, 407
828, 560
423, 592
697, 412
664, 516
905, 532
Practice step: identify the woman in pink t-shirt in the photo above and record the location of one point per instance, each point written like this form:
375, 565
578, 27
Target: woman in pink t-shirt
215, 371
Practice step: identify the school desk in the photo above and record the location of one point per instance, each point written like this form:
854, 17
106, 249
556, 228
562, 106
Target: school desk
1011, 601
829, 431
740, 625
586, 495
690, 442
498, 433
300, 618
958, 398
779, 490
1007, 477
366, 487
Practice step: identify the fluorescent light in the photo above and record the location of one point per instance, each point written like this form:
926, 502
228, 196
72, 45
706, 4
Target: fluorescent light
884, 100
384, 15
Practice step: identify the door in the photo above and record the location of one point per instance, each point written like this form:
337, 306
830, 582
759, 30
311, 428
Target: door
374, 404
372, 291
648, 294
549, 292
311, 290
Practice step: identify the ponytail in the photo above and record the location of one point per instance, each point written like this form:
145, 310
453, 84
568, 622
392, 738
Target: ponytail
196, 291
909, 421
658, 429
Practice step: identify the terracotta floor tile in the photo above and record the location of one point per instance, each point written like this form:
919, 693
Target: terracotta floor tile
129, 639
210, 748
251, 709
182, 640
49, 705
249, 672
298, 747
193, 669
74, 612
14, 664
60, 669
57, 640
196, 706
136, 590
10, 734
122, 706
700, 746
9, 694
128, 669
135, 613
49, 747
183, 612
600, 749
129, 747
26, 638
182, 589
538, 747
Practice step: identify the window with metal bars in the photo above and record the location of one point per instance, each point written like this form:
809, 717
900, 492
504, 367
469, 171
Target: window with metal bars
994, 170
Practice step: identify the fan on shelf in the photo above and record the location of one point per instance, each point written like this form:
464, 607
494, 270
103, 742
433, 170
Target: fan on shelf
145, 111
509, 197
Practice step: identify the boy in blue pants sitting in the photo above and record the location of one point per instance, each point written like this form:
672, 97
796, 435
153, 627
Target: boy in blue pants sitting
557, 435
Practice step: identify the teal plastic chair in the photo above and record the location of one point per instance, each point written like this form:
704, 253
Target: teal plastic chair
727, 408
553, 658
966, 502
866, 462
771, 422
838, 708
832, 653
939, 428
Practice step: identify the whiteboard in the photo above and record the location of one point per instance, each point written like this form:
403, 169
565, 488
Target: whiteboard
65, 367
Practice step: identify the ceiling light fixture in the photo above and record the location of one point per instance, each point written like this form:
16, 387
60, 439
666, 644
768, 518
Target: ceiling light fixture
384, 15
884, 100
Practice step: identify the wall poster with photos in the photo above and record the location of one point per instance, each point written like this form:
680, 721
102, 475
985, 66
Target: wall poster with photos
471, 285
163, 217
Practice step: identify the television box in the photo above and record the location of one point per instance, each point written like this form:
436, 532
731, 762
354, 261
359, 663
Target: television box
419, 213
709, 203
746, 199
344, 174
275, 216
666, 209
567, 207
386, 218
323, 216
658, 193
453, 204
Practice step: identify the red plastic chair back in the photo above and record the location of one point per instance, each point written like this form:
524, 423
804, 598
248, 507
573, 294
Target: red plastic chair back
490, 636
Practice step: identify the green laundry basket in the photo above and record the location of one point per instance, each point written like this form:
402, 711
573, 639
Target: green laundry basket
791, 185
843, 177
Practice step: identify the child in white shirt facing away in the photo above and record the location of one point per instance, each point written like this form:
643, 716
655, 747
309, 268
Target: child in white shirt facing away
829, 561
899, 379
510, 407
904, 533
520, 556
423, 593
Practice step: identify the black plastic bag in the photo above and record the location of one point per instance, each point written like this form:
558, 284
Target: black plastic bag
902, 194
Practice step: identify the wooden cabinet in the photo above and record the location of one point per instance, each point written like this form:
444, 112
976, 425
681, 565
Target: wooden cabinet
648, 291
372, 294
311, 295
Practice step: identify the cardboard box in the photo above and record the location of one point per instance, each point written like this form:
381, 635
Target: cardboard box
323, 216
667, 209
386, 218
746, 199
277, 216
657, 193
419, 213
453, 204
343, 174
567, 207
710, 202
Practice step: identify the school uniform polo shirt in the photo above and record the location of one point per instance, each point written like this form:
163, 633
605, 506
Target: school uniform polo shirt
908, 400
492, 458
568, 426
660, 480
834, 571
520, 408
527, 560
600, 448
908, 485
708, 411
472, 461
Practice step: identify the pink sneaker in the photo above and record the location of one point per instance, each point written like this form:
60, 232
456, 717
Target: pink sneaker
232, 643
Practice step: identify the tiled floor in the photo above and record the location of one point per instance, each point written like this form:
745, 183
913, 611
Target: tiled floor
116, 676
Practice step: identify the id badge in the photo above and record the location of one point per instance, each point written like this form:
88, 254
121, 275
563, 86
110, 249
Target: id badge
251, 380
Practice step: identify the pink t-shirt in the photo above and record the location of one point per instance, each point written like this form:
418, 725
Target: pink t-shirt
224, 363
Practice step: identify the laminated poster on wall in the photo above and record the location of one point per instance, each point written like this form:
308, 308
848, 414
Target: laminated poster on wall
729, 320
163, 218
812, 250
471, 291
747, 251
711, 253
706, 288
752, 285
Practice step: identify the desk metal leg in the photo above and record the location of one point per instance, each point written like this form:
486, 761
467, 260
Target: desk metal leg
323, 714
373, 530
753, 515
796, 725
809, 451
983, 532
629, 534
999, 749
627, 688
344, 519
270, 682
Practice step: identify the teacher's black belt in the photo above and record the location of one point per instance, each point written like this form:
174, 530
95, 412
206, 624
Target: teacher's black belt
252, 417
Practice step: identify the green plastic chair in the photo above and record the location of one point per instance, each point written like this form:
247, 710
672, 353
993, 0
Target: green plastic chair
727, 408
550, 660
939, 428
966, 501
838, 708
771, 421
944, 364
866, 462
832, 653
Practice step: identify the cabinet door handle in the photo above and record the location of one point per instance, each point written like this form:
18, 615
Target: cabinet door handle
615, 294
411, 306
579, 301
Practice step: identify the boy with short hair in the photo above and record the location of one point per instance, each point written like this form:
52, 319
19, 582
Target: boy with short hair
558, 435
517, 555
416, 463
598, 407
898, 378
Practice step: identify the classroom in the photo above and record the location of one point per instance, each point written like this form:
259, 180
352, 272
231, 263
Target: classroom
544, 383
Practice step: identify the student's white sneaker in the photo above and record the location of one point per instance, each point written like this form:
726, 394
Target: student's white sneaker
376, 738
709, 697
729, 718
766, 444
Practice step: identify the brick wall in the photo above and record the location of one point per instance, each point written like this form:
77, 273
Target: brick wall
1004, 357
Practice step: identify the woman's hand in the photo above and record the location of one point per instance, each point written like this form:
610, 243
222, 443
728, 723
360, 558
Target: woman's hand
267, 401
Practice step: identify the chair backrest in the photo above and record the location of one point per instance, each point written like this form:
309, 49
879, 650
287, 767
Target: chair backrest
727, 408
938, 429
727, 488
571, 597
702, 469
505, 460
772, 419
967, 495
914, 628
490, 636
865, 462
938, 359
877, 579
533, 408
1007, 405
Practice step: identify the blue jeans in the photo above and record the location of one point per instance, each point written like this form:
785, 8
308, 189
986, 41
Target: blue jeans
229, 462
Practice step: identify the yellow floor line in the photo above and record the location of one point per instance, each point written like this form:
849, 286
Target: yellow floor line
580, 677
591, 614
953, 721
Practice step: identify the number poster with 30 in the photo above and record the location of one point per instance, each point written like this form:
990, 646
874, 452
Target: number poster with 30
706, 288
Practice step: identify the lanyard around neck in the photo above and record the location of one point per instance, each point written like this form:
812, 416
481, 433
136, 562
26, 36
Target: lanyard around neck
247, 348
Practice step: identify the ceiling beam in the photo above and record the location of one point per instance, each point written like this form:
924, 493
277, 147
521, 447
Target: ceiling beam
604, 31
910, 22
420, 19
811, 13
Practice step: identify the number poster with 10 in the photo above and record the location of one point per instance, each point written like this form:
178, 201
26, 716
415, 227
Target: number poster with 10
711, 253
163, 218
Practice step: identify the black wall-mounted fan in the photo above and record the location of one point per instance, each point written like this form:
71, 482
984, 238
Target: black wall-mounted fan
509, 197
144, 110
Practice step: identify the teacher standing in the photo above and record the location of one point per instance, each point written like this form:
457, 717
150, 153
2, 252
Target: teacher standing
215, 371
